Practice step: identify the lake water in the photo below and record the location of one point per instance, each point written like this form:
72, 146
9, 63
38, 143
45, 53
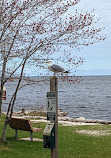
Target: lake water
91, 98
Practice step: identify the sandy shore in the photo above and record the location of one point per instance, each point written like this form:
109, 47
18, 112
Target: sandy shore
35, 116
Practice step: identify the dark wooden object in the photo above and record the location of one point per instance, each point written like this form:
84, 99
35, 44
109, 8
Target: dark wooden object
54, 88
23, 124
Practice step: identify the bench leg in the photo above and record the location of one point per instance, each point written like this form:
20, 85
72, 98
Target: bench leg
16, 135
31, 136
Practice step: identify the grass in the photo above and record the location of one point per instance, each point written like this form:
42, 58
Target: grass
37, 113
71, 143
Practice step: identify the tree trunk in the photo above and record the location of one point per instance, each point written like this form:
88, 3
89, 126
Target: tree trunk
2, 83
0, 103
11, 105
4, 130
3, 139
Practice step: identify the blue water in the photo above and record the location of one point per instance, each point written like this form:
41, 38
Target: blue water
91, 98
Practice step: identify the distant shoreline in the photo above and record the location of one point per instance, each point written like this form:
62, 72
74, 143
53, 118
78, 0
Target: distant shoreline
96, 75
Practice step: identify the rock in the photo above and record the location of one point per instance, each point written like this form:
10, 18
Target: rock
61, 113
80, 119
59, 110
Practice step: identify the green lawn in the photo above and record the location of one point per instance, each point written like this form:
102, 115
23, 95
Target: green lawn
71, 143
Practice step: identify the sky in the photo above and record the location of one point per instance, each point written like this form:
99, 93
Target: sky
98, 55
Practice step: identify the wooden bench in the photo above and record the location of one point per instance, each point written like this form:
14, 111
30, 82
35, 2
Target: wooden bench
23, 124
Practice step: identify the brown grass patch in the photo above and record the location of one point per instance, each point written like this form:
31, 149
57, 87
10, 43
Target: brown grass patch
94, 132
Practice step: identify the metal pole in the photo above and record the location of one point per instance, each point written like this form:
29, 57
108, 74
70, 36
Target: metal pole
54, 87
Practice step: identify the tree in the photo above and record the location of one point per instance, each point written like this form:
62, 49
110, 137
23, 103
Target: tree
34, 30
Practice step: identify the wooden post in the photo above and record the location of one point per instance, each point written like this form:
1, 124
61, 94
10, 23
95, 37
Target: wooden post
16, 134
54, 88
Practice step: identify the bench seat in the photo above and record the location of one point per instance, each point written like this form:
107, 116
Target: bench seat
22, 124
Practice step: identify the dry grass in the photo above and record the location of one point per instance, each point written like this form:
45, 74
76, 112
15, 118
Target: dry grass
94, 132
36, 113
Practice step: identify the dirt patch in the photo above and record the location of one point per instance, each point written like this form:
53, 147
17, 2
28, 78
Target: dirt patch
68, 123
94, 132
34, 139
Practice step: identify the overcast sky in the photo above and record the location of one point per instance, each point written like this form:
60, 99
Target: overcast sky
98, 56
